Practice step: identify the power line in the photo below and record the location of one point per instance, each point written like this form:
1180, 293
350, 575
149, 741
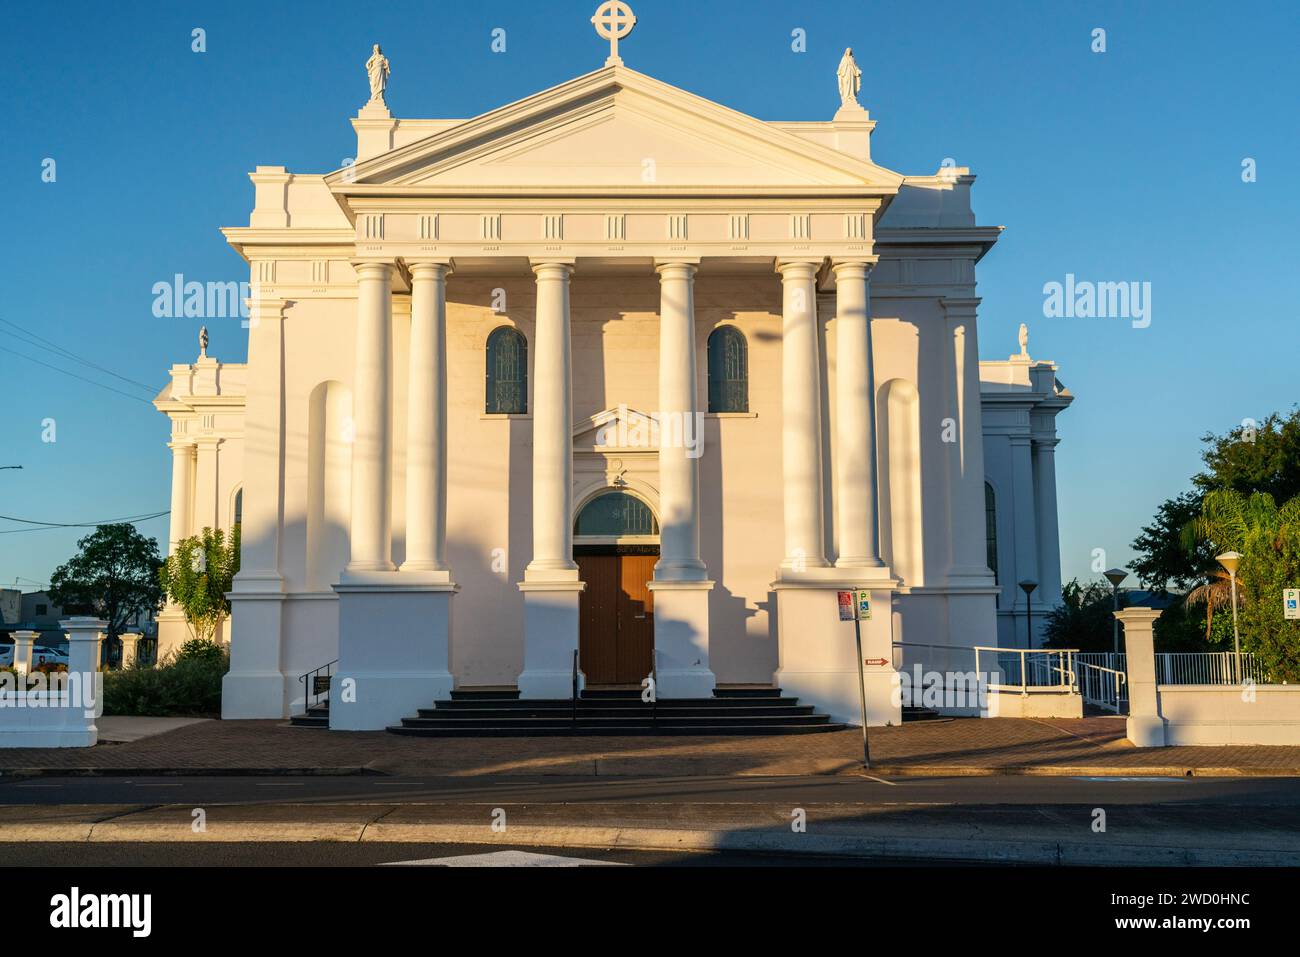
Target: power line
39, 339
45, 526
75, 376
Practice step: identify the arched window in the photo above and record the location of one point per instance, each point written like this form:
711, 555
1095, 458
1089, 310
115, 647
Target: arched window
239, 507
615, 514
507, 372
728, 370
991, 529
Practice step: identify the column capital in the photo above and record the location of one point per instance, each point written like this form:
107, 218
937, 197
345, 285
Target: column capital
552, 268
859, 267
434, 268
798, 268
372, 266
177, 444
960, 307
679, 263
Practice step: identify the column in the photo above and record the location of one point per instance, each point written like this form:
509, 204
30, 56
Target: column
552, 407
551, 586
1145, 726
1049, 539
681, 586
679, 418
801, 431
372, 506
130, 643
182, 492
426, 431
395, 628
85, 700
23, 642
206, 505
968, 565
1024, 506
256, 686
856, 496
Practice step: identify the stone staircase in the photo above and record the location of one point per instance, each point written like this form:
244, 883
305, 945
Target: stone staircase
502, 713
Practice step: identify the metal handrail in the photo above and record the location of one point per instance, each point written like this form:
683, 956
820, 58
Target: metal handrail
1119, 678
654, 688
575, 689
1064, 665
309, 683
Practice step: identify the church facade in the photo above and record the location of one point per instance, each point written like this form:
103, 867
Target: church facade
613, 375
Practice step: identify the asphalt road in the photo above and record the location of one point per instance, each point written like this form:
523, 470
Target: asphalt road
326, 854
961, 791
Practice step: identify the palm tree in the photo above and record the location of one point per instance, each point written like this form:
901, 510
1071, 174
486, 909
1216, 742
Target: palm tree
1216, 593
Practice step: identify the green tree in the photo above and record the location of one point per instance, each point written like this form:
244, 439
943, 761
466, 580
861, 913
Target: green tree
1083, 620
1250, 458
1268, 538
197, 576
115, 572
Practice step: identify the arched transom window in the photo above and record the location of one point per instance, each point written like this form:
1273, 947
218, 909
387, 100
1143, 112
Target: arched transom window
615, 515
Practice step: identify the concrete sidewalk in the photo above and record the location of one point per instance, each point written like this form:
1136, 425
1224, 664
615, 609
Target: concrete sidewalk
1150, 836
1089, 746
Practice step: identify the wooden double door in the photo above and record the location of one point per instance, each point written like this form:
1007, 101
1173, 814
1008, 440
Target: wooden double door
616, 632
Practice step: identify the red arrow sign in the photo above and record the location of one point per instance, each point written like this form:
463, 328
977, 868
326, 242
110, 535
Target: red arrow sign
875, 661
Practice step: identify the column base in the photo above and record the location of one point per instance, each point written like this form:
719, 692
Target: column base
256, 686
1146, 731
253, 694
394, 652
681, 610
550, 638
818, 652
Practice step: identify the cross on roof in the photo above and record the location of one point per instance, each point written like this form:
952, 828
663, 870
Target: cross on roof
613, 20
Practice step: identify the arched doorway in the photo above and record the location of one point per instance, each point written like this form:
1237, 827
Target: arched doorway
616, 545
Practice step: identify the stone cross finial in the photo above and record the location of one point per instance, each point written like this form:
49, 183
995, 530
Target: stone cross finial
613, 20
377, 70
850, 80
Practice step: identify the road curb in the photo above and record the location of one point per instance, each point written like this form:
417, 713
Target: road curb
143, 772
1098, 853
877, 770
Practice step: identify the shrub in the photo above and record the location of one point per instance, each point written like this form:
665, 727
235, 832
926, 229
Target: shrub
183, 685
200, 649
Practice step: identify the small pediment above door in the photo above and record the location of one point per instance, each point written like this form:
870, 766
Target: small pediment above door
622, 429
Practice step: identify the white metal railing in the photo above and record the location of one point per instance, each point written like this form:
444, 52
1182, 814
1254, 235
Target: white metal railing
1207, 668
1101, 686
1024, 668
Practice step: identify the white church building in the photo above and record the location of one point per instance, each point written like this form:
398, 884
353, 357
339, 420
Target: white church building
613, 370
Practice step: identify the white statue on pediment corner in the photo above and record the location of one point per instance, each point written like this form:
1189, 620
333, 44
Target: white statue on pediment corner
850, 80
377, 70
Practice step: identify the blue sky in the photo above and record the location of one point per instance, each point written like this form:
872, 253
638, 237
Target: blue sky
1123, 165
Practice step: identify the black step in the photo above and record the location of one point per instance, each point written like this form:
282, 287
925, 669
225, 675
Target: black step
916, 713
615, 711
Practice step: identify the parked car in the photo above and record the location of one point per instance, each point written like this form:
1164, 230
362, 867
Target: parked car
49, 656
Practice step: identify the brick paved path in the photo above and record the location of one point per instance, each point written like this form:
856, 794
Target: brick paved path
962, 743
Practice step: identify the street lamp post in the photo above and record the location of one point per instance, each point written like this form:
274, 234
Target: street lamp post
1115, 576
1230, 561
1027, 586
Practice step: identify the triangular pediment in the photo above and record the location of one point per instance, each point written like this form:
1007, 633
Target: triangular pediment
621, 429
615, 130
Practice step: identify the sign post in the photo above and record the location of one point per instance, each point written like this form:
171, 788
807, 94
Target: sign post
857, 606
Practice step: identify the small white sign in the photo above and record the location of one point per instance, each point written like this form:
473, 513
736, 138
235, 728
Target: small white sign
1291, 602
